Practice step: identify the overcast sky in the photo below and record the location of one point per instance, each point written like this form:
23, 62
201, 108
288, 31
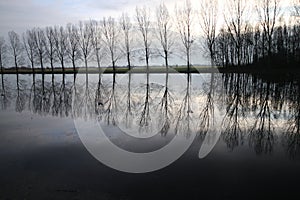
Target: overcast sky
19, 15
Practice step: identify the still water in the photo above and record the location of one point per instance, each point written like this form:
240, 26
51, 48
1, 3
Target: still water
248, 124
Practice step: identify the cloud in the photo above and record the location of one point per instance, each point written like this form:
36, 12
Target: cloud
20, 15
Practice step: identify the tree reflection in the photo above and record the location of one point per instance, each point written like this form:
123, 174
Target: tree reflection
184, 119
99, 98
83, 104
261, 136
292, 135
65, 101
21, 95
252, 108
293, 125
165, 108
54, 94
111, 106
128, 111
145, 117
234, 119
207, 113
4, 96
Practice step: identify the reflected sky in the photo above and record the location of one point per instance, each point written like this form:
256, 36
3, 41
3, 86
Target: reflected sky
246, 110
256, 156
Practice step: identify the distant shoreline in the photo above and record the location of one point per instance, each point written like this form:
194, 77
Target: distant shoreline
137, 70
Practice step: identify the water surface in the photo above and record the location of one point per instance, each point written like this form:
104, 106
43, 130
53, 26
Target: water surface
257, 118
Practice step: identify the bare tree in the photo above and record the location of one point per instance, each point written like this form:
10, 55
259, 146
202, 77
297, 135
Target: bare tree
126, 27
297, 8
50, 46
184, 26
39, 41
85, 41
208, 22
73, 44
97, 42
222, 48
28, 42
61, 45
3, 51
235, 18
164, 31
16, 48
111, 34
268, 12
143, 19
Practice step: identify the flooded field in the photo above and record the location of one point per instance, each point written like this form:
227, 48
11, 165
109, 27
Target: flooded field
236, 136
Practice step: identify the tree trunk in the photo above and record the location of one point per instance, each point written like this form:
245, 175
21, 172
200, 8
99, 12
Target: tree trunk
86, 65
32, 66
166, 60
98, 63
73, 63
1, 65
128, 60
62, 65
51, 64
42, 64
188, 60
16, 64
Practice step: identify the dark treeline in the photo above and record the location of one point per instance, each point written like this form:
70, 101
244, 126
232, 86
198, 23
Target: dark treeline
284, 50
269, 42
251, 34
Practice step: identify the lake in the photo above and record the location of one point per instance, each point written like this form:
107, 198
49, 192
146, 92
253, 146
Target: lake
149, 136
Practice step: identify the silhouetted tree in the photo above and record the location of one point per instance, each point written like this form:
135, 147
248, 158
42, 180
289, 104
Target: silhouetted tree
208, 23
61, 45
73, 45
16, 48
111, 36
235, 18
29, 46
257, 46
165, 34
40, 47
50, 46
143, 19
222, 54
126, 27
97, 42
184, 17
85, 36
268, 12
3, 52
297, 7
